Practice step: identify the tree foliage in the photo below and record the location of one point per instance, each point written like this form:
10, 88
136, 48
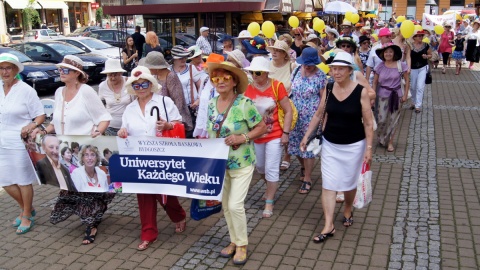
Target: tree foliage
30, 15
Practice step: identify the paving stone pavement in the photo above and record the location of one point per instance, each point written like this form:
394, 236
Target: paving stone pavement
424, 215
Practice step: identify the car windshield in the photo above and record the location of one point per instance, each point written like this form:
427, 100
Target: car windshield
51, 32
96, 44
64, 49
22, 57
80, 30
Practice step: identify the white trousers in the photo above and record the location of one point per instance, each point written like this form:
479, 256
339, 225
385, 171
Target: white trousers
417, 85
269, 156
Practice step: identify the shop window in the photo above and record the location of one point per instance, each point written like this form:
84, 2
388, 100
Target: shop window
457, 3
411, 3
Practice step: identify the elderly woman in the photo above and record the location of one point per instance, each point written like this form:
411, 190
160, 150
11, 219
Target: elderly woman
347, 140
151, 44
308, 82
112, 93
420, 54
472, 52
171, 85
332, 35
234, 117
19, 104
256, 47
445, 47
66, 161
387, 81
297, 44
289, 40
190, 78
268, 94
78, 111
137, 121
89, 177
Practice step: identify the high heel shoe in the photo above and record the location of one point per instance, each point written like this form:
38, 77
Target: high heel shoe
323, 237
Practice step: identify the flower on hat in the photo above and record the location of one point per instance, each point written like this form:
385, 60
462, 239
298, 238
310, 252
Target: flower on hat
137, 73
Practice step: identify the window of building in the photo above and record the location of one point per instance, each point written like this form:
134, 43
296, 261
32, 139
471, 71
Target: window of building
457, 3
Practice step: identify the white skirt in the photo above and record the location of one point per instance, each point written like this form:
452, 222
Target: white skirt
16, 168
341, 165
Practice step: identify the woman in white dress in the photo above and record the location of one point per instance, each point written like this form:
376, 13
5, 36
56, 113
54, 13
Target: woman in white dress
79, 111
19, 104
89, 177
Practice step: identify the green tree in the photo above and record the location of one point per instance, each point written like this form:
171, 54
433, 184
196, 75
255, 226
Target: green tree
30, 15
99, 16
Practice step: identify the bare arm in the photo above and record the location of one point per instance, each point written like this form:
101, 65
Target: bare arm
287, 108
313, 126
364, 82
367, 116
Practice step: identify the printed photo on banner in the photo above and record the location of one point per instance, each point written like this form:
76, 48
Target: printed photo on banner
74, 163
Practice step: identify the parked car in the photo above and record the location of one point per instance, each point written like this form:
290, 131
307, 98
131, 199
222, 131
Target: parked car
80, 31
41, 76
40, 34
93, 45
113, 37
54, 51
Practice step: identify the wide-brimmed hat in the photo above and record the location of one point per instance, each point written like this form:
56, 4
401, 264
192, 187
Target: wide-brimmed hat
225, 38
203, 29
361, 39
12, 59
312, 38
155, 60
311, 44
384, 32
259, 63
237, 56
74, 63
419, 32
142, 73
242, 80
447, 23
476, 21
397, 52
256, 45
194, 51
280, 45
366, 28
381, 23
179, 52
214, 58
113, 66
244, 34
346, 23
333, 31
359, 25
342, 59
348, 40
309, 57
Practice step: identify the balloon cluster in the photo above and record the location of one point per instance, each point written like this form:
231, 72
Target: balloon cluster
268, 29
352, 17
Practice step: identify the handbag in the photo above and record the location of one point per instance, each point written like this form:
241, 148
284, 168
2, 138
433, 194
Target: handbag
364, 188
428, 77
281, 113
314, 142
200, 209
178, 130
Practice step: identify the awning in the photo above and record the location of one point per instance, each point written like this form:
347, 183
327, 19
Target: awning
53, 4
252, 17
21, 4
281, 6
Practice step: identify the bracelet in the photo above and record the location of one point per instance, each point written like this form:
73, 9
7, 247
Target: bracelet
247, 139
35, 122
287, 133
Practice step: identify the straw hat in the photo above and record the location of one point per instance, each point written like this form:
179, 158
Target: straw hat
74, 63
142, 73
332, 31
195, 50
397, 52
280, 45
342, 59
244, 34
241, 77
259, 63
12, 59
155, 60
237, 56
346, 23
312, 38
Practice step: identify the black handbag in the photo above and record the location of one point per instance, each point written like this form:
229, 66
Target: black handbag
428, 78
314, 141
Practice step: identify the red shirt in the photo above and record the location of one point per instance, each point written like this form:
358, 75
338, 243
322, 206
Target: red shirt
266, 103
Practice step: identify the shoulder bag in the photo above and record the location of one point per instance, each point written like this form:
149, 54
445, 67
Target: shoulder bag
281, 113
314, 142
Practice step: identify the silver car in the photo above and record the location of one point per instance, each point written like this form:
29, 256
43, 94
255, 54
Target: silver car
40, 34
93, 45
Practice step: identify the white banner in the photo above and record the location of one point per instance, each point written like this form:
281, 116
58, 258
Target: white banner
429, 21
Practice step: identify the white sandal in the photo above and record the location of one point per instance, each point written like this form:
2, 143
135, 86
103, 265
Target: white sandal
284, 165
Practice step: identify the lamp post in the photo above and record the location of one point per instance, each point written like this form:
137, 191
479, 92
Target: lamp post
428, 6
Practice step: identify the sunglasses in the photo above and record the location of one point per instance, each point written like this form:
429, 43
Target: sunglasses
65, 71
417, 36
225, 78
137, 86
9, 69
345, 46
256, 73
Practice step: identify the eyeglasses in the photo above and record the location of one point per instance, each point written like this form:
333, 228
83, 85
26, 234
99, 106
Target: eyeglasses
225, 78
137, 86
345, 46
65, 71
256, 73
114, 74
9, 69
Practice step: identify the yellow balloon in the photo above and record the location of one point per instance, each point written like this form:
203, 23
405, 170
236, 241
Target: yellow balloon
315, 19
401, 19
458, 17
375, 36
426, 40
354, 18
253, 28
293, 21
323, 35
348, 15
323, 68
268, 29
438, 29
418, 27
407, 29
319, 25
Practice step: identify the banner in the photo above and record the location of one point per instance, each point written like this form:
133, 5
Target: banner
429, 21
180, 167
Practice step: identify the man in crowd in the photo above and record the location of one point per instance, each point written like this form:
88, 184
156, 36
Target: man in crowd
347, 30
138, 40
202, 41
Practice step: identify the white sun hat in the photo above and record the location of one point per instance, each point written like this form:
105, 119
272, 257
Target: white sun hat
12, 59
113, 66
259, 63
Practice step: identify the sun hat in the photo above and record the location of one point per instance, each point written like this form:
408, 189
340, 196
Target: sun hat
312, 37
203, 29
225, 37
155, 60
466, 20
348, 40
333, 31
447, 23
418, 32
244, 34
346, 23
195, 51
259, 63
12, 59
255, 46
242, 80
213, 58
311, 44
361, 39
397, 52
342, 59
381, 23
359, 25
237, 56
179, 52
384, 32
476, 21
366, 28
309, 57
138, 73
74, 63
280, 45
113, 66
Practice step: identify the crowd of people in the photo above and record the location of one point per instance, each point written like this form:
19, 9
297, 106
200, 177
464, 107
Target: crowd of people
264, 97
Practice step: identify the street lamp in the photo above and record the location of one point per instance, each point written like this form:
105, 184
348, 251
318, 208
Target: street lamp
428, 6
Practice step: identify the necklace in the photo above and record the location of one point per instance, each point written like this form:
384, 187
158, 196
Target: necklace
263, 86
91, 179
117, 93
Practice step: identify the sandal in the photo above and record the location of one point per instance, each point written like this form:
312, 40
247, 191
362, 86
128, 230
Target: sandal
323, 236
284, 165
240, 257
25, 229
390, 148
268, 213
89, 236
180, 226
305, 188
18, 220
347, 222
340, 198
229, 251
145, 244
